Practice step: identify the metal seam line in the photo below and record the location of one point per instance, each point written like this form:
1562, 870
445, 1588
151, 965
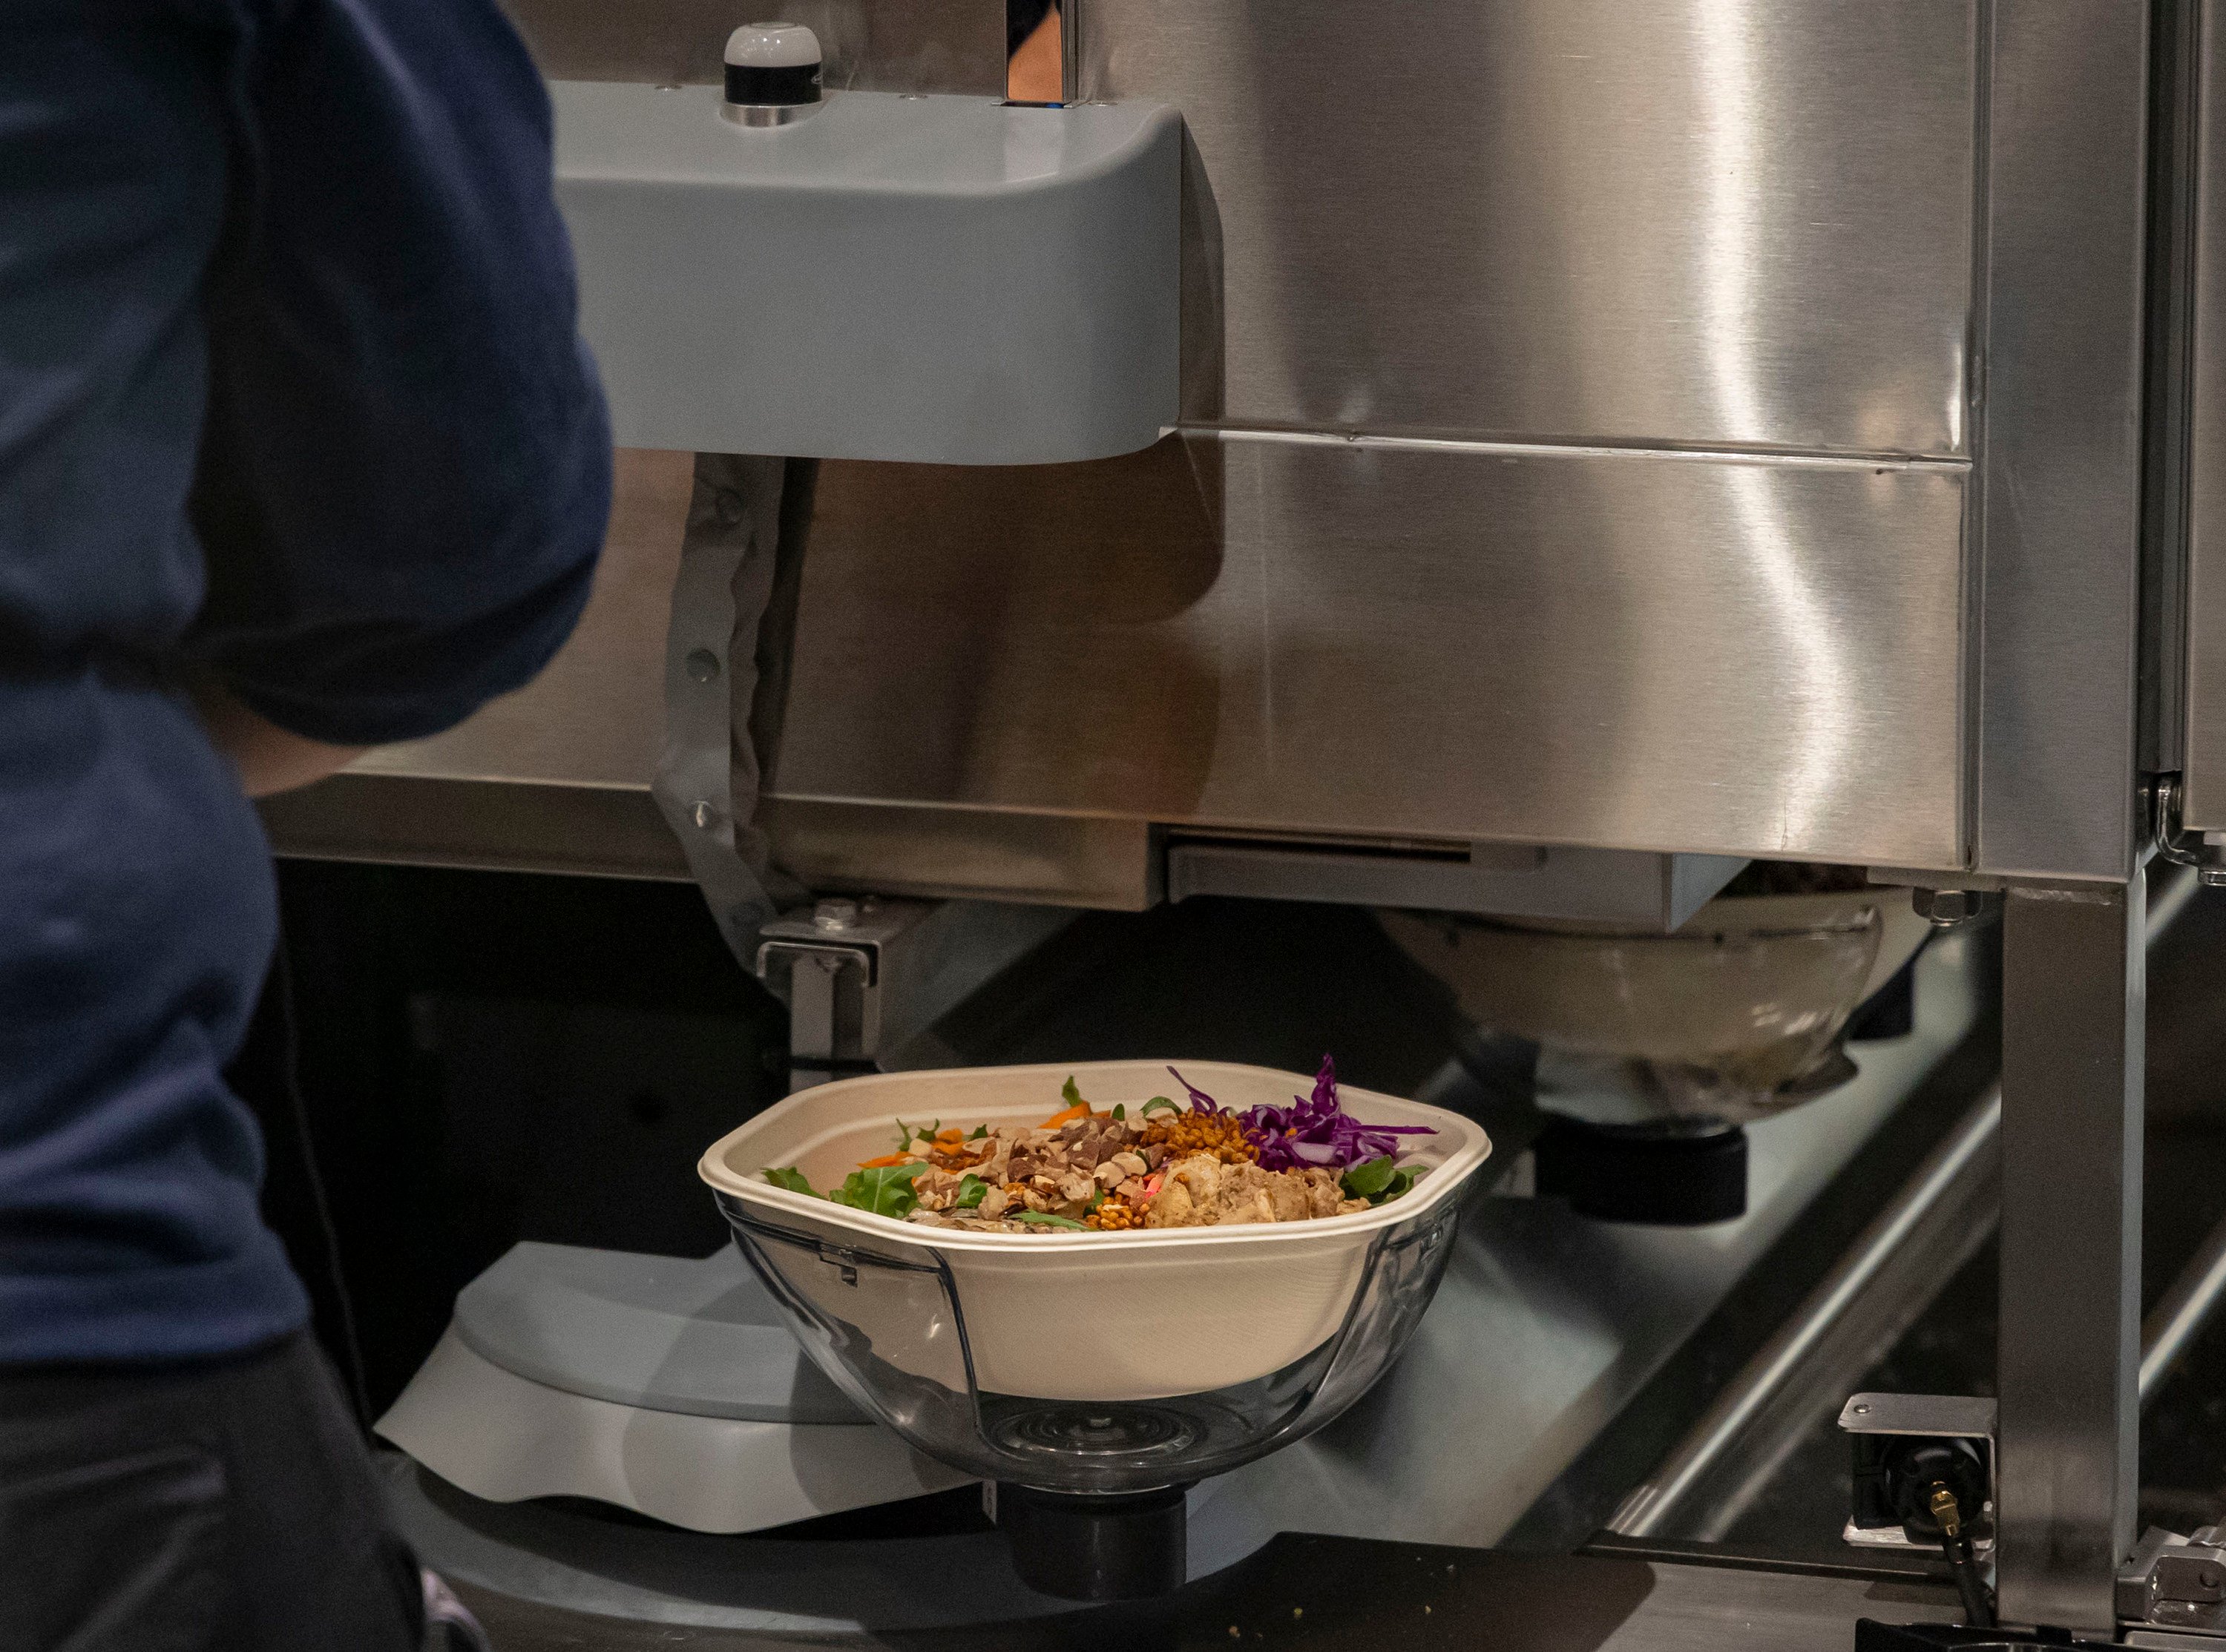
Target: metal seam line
1767, 458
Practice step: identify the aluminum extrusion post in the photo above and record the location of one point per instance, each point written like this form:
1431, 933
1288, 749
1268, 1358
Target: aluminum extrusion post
2067, 1368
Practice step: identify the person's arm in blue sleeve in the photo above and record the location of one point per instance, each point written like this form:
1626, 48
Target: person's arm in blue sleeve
405, 471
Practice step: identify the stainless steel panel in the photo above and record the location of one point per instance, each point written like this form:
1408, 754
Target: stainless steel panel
1064, 859
871, 45
1706, 221
2059, 475
2202, 798
485, 825
1651, 891
556, 776
2067, 1369
1604, 648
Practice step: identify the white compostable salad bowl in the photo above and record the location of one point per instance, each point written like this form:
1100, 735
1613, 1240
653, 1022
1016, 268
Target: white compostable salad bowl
894, 1308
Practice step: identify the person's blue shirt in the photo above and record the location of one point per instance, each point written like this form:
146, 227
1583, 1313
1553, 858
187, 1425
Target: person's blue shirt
290, 392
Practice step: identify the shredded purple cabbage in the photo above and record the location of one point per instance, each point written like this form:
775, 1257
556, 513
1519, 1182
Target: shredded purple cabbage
1312, 1130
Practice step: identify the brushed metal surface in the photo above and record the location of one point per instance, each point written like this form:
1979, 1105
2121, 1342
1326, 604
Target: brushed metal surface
2202, 796
1614, 649
871, 45
556, 777
2068, 1365
479, 825
1062, 860
1710, 222
2059, 475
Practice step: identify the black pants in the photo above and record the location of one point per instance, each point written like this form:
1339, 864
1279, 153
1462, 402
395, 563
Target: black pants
195, 1507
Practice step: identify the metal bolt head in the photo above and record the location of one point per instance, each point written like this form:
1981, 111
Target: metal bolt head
835, 915
702, 664
705, 815
1949, 907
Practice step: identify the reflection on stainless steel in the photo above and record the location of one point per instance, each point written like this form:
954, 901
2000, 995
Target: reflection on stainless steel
1070, 860
871, 45
1585, 234
1689, 221
2203, 799
1401, 639
2058, 503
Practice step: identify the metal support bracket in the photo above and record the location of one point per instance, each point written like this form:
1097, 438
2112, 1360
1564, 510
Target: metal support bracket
2068, 1366
2175, 1582
865, 979
2204, 851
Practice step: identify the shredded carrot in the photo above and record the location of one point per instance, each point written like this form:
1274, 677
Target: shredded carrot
1079, 1110
886, 1159
954, 1133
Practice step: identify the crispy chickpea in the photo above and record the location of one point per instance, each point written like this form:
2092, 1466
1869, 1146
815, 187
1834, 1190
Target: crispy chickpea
1217, 1133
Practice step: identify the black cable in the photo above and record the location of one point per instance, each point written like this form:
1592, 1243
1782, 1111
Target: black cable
1956, 1544
1978, 1609
282, 971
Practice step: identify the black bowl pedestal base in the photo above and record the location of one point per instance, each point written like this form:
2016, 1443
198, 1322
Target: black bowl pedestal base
1081, 1546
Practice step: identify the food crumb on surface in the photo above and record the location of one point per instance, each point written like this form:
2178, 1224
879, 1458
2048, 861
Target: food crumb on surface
1235, 1633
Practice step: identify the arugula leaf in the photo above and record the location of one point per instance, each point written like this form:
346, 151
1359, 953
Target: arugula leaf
970, 1189
1120, 1111
1159, 1102
885, 1190
1043, 1218
1401, 1182
1069, 1093
1369, 1179
789, 1177
980, 1130
905, 1133
1096, 1198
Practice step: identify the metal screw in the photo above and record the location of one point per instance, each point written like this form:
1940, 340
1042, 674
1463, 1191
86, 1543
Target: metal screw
705, 815
834, 915
1949, 907
702, 664
1862, 1411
